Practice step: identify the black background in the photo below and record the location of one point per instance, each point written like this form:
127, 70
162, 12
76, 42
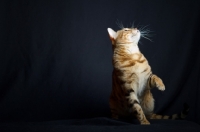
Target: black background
56, 55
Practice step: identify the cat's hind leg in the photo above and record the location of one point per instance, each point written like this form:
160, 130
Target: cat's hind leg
147, 103
114, 114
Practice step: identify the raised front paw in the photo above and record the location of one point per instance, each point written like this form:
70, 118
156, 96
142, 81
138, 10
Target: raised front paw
161, 87
159, 84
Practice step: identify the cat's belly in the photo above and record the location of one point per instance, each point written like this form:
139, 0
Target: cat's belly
142, 71
142, 79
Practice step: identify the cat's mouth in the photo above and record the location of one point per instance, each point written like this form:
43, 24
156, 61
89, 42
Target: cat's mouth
134, 35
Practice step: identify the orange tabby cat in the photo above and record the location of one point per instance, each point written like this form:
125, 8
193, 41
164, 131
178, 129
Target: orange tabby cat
132, 78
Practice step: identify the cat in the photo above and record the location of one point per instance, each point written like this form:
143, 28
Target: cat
132, 79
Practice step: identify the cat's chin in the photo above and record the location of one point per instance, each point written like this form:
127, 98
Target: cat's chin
134, 41
137, 36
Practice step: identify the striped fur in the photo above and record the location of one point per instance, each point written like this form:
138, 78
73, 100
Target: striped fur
180, 116
132, 78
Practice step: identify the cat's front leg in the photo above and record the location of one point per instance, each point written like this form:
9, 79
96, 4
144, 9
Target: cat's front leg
155, 81
136, 109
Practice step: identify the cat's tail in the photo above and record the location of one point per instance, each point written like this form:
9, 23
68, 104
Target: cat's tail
180, 116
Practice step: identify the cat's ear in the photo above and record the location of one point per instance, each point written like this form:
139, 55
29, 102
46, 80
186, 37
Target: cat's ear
112, 34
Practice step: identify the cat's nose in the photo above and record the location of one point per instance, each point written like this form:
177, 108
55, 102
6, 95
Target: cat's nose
136, 30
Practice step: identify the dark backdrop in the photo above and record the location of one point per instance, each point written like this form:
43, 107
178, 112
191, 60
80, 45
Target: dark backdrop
55, 55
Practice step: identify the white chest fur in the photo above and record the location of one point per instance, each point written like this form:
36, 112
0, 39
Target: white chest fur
133, 49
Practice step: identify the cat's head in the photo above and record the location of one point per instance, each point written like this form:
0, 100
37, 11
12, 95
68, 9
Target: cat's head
124, 36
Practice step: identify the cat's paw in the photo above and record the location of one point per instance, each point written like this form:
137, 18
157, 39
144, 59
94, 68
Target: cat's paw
160, 85
145, 122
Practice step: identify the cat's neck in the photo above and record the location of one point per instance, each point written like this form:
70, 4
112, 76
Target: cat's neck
131, 48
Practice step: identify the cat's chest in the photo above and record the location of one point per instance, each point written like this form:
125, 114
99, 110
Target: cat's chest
140, 64
139, 67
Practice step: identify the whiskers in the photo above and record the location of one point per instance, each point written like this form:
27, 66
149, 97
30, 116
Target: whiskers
119, 24
145, 32
132, 25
